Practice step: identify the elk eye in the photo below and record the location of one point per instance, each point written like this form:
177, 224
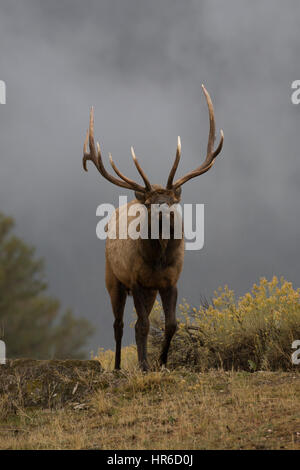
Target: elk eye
178, 192
140, 196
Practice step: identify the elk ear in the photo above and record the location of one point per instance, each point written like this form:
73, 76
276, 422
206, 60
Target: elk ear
178, 192
140, 196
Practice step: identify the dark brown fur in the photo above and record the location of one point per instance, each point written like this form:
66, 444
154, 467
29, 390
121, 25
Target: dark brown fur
143, 267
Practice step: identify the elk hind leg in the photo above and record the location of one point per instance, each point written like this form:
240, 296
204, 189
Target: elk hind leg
143, 302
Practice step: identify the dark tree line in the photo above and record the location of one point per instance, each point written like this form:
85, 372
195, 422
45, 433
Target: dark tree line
31, 322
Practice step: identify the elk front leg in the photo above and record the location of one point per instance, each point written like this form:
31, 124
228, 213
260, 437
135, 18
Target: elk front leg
169, 299
118, 296
118, 304
143, 302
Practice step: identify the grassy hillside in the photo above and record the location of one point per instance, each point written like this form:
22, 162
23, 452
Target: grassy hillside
231, 384
80, 406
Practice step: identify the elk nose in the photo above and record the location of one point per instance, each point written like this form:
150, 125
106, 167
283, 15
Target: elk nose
161, 209
164, 208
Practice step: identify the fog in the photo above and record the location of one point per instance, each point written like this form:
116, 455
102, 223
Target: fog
141, 65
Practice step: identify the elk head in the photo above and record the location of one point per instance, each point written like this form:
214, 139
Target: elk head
153, 194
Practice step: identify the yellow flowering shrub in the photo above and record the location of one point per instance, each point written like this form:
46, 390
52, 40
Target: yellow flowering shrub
253, 332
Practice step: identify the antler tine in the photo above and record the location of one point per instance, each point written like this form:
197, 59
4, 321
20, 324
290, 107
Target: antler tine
175, 164
85, 154
140, 170
127, 180
96, 158
92, 156
220, 146
211, 154
212, 125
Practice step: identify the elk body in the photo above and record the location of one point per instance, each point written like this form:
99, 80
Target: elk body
145, 267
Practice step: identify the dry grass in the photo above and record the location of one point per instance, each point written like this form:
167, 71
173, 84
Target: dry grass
210, 400
165, 410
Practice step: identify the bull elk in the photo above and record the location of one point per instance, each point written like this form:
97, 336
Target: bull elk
143, 267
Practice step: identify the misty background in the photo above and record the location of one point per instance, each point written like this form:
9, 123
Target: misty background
141, 65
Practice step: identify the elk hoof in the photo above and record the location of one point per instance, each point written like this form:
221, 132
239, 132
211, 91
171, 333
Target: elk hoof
145, 366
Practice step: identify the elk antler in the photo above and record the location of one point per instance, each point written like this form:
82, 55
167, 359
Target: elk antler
96, 158
175, 164
211, 153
